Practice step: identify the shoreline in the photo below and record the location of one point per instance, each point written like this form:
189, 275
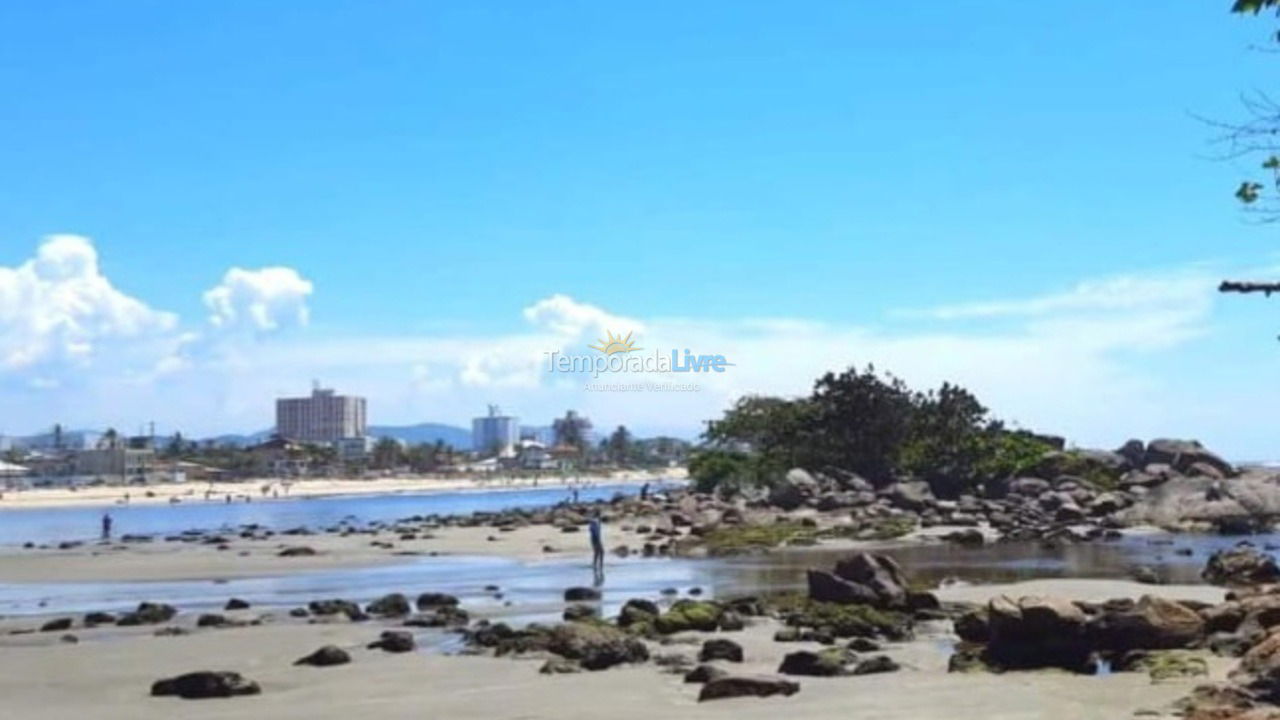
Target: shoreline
108, 496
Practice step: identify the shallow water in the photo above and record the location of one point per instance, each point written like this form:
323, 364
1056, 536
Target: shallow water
47, 525
534, 590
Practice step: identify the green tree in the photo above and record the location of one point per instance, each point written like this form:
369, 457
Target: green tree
619, 447
387, 454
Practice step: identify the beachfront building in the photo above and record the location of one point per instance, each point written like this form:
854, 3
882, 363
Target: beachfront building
354, 449
325, 417
495, 434
114, 463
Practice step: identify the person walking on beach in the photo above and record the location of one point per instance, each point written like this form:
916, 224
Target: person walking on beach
106, 526
597, 543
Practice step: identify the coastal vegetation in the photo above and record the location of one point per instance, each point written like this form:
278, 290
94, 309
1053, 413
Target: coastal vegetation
873, 425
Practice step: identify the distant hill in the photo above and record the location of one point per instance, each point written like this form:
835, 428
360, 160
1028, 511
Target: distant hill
239, 440
458, 438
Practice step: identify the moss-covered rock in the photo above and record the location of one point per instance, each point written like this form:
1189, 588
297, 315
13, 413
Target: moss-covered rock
686, 615
1163, 665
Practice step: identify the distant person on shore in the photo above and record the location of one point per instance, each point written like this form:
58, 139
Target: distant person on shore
597, 543
644, 491
106, 526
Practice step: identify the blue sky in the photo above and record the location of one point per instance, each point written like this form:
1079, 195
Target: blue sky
430, 171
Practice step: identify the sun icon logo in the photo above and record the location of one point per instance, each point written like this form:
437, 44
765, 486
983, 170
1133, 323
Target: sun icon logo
611, 344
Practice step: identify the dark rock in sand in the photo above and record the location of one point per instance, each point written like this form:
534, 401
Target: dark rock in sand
205, 684
432, 600
704, 674
827, 663
394, 641
211, 620
58, 625
595, 646
297, 551
327, 656
99, 618
720, 649
236, 604
337, 607
580, 612
148, 614
747, 686
877, 664
393, 605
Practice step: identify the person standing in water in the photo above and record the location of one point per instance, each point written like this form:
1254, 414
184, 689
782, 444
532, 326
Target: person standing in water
106, 526
597, 543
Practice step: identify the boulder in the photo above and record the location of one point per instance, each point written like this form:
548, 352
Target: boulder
1259, 669
1240, 565
747, 686
972, 627
596, 646
337, 607
393, 605
704, 674
394, 641
1181, 455
793, 490
828, 587
880, 573
686, 615
57, 625
148, 614
205, 684
581, 594
638, 610
327, 656
434, 600
1153, 623
579, 611
720, 649
236, 604
1036, 632
827, 663
875, 665
912, 495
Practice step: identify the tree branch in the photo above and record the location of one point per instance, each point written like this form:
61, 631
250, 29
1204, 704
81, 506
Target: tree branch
1249, 287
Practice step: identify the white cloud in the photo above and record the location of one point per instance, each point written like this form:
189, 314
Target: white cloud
59, 307
261, 300
563, 315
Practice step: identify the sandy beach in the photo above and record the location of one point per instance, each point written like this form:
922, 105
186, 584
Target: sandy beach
278, 489
106, 675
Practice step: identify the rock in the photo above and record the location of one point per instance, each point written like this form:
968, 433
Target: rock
1240, 565
327, 656
297, 551
559, 666
394, 641
793, 490
638, 610
1146, 575
704, 674
969, 537
686, 615
828, 587
205, 684
877, 664
1029, 486
914, 496
393, 605
596, 646
1181, 455
1152, 624
1161, 665
747, 686
731, 621
827, 663
880, 573
580, 612
337, 607
860, 644
720, 649
148, 614
972, 627
99, 618
211, 620
236, 604
1036, 632
58, 625
431, 601
581, 594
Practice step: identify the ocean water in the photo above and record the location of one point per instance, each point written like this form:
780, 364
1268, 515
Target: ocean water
46, 525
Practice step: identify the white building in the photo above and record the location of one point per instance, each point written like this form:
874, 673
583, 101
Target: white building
495, 434
322, 418
354, 449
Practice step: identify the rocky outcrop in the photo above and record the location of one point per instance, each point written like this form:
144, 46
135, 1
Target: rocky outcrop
827, 663
1188, 457
1241, 565
148, 614
393, 605
205, 684
720, 649
596, 646
1153, 623
394, 641
1035, 632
